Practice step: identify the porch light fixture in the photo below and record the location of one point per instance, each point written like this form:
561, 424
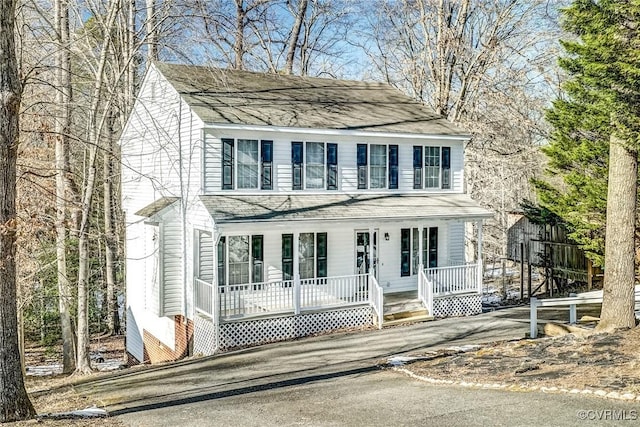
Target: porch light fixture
386, 236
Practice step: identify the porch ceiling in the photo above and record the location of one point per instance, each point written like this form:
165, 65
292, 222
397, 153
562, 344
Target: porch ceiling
341, 207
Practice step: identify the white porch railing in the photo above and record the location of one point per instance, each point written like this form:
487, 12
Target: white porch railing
454, 280
203, 297
286, 296
425, 291
376, 299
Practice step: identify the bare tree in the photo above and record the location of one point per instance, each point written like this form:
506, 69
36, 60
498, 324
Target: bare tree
62, 132
14, 401
295, 35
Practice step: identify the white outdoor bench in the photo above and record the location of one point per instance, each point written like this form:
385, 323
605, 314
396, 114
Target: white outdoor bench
571, 301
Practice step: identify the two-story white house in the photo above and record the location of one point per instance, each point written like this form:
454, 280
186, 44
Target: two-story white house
262, 207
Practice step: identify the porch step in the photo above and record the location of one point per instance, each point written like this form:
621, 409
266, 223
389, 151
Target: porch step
404, 307
410, 319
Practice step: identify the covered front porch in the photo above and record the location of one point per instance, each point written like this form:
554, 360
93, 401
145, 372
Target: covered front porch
304, 264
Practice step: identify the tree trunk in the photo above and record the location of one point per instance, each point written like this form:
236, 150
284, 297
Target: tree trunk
62, 127
619, 268
14, 401
113, 323
152, 33
295, 34
238, 44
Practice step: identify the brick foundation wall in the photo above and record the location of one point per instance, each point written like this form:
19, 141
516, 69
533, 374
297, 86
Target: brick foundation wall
155, 351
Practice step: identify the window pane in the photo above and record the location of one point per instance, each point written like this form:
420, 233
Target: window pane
247, 163
315, 165
306, 257
432, 167
238, 260
378, 167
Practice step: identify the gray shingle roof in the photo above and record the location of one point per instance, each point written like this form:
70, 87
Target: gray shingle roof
340, 207
220, 96
156, 206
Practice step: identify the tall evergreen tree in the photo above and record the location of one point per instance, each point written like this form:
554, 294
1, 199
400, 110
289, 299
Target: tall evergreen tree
600, 120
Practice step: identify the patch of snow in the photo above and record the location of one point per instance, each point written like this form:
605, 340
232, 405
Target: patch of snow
56, 368
92, 412
400, 360
464, 348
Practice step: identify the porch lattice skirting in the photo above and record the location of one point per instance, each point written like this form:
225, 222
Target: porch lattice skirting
262, 331
204, 335
458, 305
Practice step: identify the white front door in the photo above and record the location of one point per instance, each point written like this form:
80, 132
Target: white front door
366, 251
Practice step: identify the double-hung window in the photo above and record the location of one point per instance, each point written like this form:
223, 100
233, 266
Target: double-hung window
434, 169
312, 255
410, 249
240, 260
314, 165
377, 166
247, 164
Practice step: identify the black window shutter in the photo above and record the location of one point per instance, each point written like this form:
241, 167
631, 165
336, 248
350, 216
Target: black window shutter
257, 258
393, 166
296, 165
405, 252
267, 165
433, 247
362, 166
417, 167
446, 167
227, 164
332, 166
287, 256
321, 251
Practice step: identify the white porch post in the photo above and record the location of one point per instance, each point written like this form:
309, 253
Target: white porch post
420, 248
371, 256
296, 273
479, 256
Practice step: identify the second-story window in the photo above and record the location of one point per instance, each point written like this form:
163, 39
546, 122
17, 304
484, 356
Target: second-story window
435, 170
380, 163
247, 164
314, 165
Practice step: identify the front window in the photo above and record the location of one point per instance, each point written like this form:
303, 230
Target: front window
378, 167
240, 260
432, 167
306, 255
315, 165
247, 163
410, 249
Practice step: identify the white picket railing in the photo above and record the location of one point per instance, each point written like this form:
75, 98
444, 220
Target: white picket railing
203, 297
255, 299
376, 299
425, 291
331, 291
454, 280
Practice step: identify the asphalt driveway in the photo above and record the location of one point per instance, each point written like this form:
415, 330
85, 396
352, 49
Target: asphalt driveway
338, 380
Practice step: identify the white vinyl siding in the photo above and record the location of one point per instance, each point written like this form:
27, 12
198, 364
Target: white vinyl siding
171, 267
204, 251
